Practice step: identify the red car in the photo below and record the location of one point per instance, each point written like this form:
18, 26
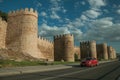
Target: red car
89, 62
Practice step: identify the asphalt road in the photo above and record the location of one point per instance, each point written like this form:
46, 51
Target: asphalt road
106, 71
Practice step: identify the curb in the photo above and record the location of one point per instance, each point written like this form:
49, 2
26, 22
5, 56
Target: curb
33, 69
9, 72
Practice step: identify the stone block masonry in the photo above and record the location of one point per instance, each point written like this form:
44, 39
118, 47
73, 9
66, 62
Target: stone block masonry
110, 52
20, 36
3, 26
102, 51
88, 49
93, 49
77, 52
99, 51
64, 47
22, 30
47, 49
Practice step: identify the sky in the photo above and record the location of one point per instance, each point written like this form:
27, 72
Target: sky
86, 19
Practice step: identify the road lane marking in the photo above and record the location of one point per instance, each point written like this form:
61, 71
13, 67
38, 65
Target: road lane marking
58, 76
68, 73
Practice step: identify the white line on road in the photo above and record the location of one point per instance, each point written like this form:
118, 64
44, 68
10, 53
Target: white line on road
68, 74
62, 75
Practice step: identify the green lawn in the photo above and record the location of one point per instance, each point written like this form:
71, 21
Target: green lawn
12, 63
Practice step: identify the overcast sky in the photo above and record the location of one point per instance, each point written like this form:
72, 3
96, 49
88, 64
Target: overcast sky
86, 19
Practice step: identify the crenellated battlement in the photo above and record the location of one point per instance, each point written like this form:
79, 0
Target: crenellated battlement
64, 47
87, 43
88, 47
25, 11
45, 40
20, 33
104, 44
63, 36
110, 48
84, 43
92, 41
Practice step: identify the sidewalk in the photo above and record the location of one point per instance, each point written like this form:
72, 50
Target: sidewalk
32, 69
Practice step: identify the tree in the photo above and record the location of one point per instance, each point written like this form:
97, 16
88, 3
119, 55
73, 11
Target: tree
76, 57
3, 15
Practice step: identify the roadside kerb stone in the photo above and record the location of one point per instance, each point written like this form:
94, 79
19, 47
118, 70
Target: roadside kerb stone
30, 69
33, 69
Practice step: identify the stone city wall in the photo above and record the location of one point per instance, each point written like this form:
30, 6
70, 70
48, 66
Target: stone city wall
47, 49
114, 54
20, 35
22, 31
88, 49
3, 26
64, 47
77, 52
110, 52
99, 51
84, 49
102, 51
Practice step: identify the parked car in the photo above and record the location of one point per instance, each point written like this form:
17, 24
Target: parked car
89, 62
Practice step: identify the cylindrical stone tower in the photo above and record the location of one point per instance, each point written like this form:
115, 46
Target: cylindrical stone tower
3, 26
22, 31
110, 52
105, 52
64, 47
68, 47
83, 50
58, 48
114, 54
93, 51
